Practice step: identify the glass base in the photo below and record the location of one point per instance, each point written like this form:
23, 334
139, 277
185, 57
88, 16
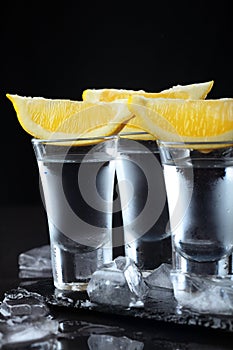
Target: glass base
74, 286
203, 294
72, 269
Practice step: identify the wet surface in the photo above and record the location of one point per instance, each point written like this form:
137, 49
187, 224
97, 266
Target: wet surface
158, 325
160, 305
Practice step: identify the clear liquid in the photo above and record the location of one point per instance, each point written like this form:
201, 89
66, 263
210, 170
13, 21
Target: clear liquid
144, 209
78, 200
201, 209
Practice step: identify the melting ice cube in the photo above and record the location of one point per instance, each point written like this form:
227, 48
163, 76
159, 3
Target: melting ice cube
109, 342
204, 294
160, 277
118, 283
20, 302
35, 262
25, 318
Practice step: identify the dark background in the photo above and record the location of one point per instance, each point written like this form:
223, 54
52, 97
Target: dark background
57, 51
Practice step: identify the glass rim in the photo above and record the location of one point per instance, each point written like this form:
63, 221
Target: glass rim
193, 143
137, 136
65, 140
134, 133
35, 140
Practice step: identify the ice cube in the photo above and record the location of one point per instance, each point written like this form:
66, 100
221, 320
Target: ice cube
35, 262
109, 342
23, 329
118, 283
160, 277
204, 294
20, 302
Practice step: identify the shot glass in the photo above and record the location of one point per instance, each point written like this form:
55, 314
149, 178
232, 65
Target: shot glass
199, 185
77, 178
147, 239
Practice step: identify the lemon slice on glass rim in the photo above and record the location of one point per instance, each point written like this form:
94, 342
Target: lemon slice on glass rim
178, 120
190, 91
66, 119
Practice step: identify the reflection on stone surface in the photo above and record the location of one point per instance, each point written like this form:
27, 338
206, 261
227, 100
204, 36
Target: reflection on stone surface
118, 283
1, 336
109, 342
74, 328
70, 331
22, 330
50, 344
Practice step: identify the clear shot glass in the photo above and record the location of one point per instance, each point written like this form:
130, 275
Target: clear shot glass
77, 178
140, 181
199, 185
